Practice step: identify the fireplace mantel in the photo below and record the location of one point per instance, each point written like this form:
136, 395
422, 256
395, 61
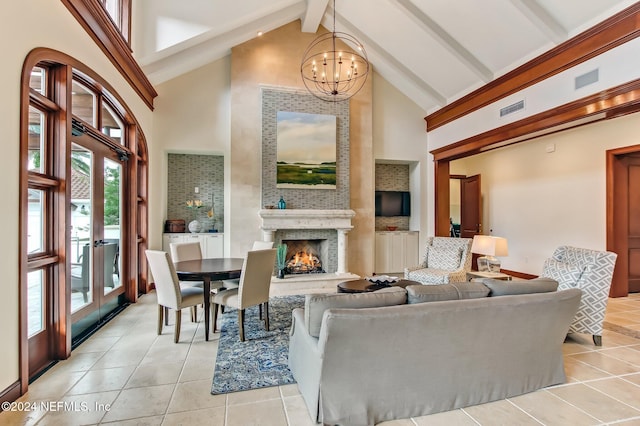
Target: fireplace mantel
340, 220
274, 219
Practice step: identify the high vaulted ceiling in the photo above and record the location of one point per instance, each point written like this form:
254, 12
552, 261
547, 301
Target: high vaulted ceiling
433, 51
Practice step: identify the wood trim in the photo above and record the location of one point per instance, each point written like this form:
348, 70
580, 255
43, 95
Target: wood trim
608, 34
442, 224
96, 21
11, 392
600, 106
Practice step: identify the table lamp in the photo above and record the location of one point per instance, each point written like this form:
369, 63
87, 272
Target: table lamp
489, 247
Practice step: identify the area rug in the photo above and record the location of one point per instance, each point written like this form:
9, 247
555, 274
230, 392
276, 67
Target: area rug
262, 359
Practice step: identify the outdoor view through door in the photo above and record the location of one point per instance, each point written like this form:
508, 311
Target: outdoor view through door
95, 230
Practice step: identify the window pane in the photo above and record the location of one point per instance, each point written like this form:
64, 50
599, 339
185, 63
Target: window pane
36, 139
112, 220
111, 124
81, 237
35, 234
83, 103
113, 9
35, 302
37, 80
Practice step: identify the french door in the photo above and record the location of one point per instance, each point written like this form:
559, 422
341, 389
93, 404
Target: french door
95, 233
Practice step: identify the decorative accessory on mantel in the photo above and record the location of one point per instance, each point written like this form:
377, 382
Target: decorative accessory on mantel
335, 65
490, 247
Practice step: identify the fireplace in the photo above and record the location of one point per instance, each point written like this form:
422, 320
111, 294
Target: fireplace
331, 226
305, 256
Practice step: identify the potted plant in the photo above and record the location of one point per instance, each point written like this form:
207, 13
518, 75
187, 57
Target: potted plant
281, 259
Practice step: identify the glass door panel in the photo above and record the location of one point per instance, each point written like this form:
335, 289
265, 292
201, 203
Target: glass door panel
112, 220
81, 228
35, 302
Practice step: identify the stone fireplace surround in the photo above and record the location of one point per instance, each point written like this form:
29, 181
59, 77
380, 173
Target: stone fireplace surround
296, 220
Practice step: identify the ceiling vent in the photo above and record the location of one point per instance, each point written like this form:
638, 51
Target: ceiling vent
587, 79
512, 108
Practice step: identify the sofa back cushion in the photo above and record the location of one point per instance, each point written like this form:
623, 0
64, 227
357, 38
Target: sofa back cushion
316, 304
505, 288
454, 291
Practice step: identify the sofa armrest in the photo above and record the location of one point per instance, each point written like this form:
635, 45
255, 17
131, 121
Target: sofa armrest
305, 362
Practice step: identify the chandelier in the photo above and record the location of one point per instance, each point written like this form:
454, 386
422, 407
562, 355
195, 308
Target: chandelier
331, 69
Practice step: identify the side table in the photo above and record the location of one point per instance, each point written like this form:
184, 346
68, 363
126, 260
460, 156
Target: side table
495, 275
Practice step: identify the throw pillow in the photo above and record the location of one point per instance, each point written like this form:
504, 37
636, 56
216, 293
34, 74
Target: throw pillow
444, 258
566, 274
430, 293
504, 288
316, 304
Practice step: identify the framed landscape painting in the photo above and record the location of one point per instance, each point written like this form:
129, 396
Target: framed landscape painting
306, 156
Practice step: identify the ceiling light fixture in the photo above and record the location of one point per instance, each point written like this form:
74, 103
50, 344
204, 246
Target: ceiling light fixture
335, 65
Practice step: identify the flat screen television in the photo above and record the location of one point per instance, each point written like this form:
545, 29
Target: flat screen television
393, 203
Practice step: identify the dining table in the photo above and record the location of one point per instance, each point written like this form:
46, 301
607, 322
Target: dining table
207, 270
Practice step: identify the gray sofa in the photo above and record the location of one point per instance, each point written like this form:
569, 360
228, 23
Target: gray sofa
360, 359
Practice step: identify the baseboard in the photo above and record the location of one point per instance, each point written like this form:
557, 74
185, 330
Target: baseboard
11, 393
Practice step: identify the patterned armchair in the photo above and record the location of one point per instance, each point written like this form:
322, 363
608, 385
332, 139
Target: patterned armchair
591, 272
446, 260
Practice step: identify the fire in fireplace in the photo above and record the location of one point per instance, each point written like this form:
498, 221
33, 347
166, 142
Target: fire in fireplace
304, 257
304, 262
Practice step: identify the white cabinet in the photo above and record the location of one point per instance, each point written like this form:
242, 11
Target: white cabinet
396, 250
211, 245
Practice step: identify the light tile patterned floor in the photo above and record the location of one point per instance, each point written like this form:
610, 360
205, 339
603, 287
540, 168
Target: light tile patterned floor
146, 379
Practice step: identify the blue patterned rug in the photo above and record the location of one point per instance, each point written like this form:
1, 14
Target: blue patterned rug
261, 360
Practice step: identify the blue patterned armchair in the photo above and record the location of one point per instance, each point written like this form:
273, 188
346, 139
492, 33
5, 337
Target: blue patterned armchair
590, 271
446, 260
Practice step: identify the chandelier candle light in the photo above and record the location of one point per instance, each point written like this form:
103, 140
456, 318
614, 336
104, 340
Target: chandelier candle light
490, 247
331, 69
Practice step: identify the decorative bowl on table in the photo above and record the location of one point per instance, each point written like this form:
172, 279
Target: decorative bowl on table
382, 279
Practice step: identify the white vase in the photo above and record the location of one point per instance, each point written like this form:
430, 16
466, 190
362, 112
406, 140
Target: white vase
194, 226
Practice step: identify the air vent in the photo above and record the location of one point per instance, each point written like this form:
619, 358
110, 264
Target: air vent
586, 79
512, 108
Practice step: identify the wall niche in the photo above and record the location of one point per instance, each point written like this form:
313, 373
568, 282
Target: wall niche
186, 172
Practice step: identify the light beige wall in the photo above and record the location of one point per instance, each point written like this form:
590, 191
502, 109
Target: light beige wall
399, 135
274, 60
25, 25
539, 200
192, 116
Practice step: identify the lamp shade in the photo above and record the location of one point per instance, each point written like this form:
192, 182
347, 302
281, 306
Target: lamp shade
489, 246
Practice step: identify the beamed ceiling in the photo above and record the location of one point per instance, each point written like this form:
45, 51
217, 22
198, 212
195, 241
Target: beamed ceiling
433, 51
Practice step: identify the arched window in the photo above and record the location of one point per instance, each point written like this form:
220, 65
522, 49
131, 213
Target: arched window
83, 219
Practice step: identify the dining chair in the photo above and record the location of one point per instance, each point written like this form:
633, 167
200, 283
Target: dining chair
190, 251
257, 245
255, 280
169, 291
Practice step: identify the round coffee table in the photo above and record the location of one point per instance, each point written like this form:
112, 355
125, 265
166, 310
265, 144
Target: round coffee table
365, 286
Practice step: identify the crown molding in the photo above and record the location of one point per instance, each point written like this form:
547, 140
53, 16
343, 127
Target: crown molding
96, 21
